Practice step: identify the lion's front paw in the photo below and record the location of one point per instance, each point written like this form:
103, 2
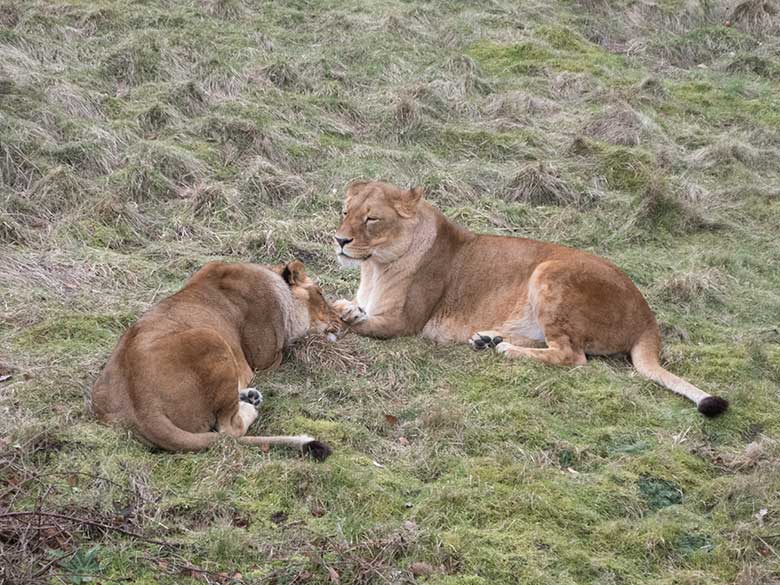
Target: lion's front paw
485, 339
350, 312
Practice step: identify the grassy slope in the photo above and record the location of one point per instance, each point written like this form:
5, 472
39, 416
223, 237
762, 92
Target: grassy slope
138, 141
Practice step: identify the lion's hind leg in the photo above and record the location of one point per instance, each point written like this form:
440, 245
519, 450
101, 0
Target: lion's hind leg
251, 395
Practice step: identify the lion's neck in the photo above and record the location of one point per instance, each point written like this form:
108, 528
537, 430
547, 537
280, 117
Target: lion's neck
384, 283
295, 320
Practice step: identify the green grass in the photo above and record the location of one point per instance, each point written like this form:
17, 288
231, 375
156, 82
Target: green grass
140, 140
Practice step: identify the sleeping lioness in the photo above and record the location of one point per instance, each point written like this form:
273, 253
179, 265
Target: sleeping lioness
179, 375
422, 274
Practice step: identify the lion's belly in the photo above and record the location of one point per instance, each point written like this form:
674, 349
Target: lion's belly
469, 308
444, 331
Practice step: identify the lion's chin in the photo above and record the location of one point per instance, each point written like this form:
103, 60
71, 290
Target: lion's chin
347, 262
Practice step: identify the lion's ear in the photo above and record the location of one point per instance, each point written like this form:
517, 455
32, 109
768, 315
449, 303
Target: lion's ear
354, 186
293, 273
407, 201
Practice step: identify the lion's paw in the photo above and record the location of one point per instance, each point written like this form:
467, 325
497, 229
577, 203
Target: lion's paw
485, 339
251, 395
350, 312
503, 347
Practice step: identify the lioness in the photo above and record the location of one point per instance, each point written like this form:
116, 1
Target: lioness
421, 273
179, 375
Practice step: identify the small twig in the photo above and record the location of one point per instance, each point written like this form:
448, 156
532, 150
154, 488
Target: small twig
90, 523
55, 561
16, 487
766, 544
184, 565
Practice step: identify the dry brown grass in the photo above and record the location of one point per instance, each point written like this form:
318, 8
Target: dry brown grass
209, 199
542, 184
679, 209
620, 125
690, 287
757, 16
408, 122
228, 9
756, 574
725, 151
317, 353
271, 184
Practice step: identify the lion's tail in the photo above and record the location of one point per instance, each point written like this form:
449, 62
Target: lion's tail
645, 353
163, 433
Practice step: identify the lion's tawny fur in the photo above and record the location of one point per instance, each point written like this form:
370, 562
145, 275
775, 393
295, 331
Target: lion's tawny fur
422, 274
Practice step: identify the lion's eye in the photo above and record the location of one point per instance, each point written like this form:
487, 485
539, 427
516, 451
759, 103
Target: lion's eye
344, 213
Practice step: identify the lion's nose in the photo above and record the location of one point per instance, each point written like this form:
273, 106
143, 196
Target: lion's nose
343, 241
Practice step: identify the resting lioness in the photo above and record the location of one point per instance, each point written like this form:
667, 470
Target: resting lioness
422, 274
179, 375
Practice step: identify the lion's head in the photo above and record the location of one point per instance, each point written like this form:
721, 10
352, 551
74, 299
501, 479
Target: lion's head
377, 221
322, 317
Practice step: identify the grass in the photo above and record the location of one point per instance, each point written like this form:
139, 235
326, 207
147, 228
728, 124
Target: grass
140, 140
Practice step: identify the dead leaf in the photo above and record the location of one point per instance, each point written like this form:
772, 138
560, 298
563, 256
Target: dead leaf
389, 419
334, 576
6, 377
377, 464
403, 441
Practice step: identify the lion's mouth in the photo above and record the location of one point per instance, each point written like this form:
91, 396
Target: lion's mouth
360, 259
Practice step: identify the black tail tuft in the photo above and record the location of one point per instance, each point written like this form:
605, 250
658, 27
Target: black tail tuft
713, 406
317, 450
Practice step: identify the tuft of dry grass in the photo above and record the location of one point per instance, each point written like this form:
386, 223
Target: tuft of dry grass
673, 208
619, 125
756, 574
652, 86
408, 123
570, 85
137, 60
207, 199
266, 182
317, 353
114, 210
227, 9
693, 287
282, 75
724, 152
60, 189
11, 231
756, 16
541, 184
188, 97
154, 169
